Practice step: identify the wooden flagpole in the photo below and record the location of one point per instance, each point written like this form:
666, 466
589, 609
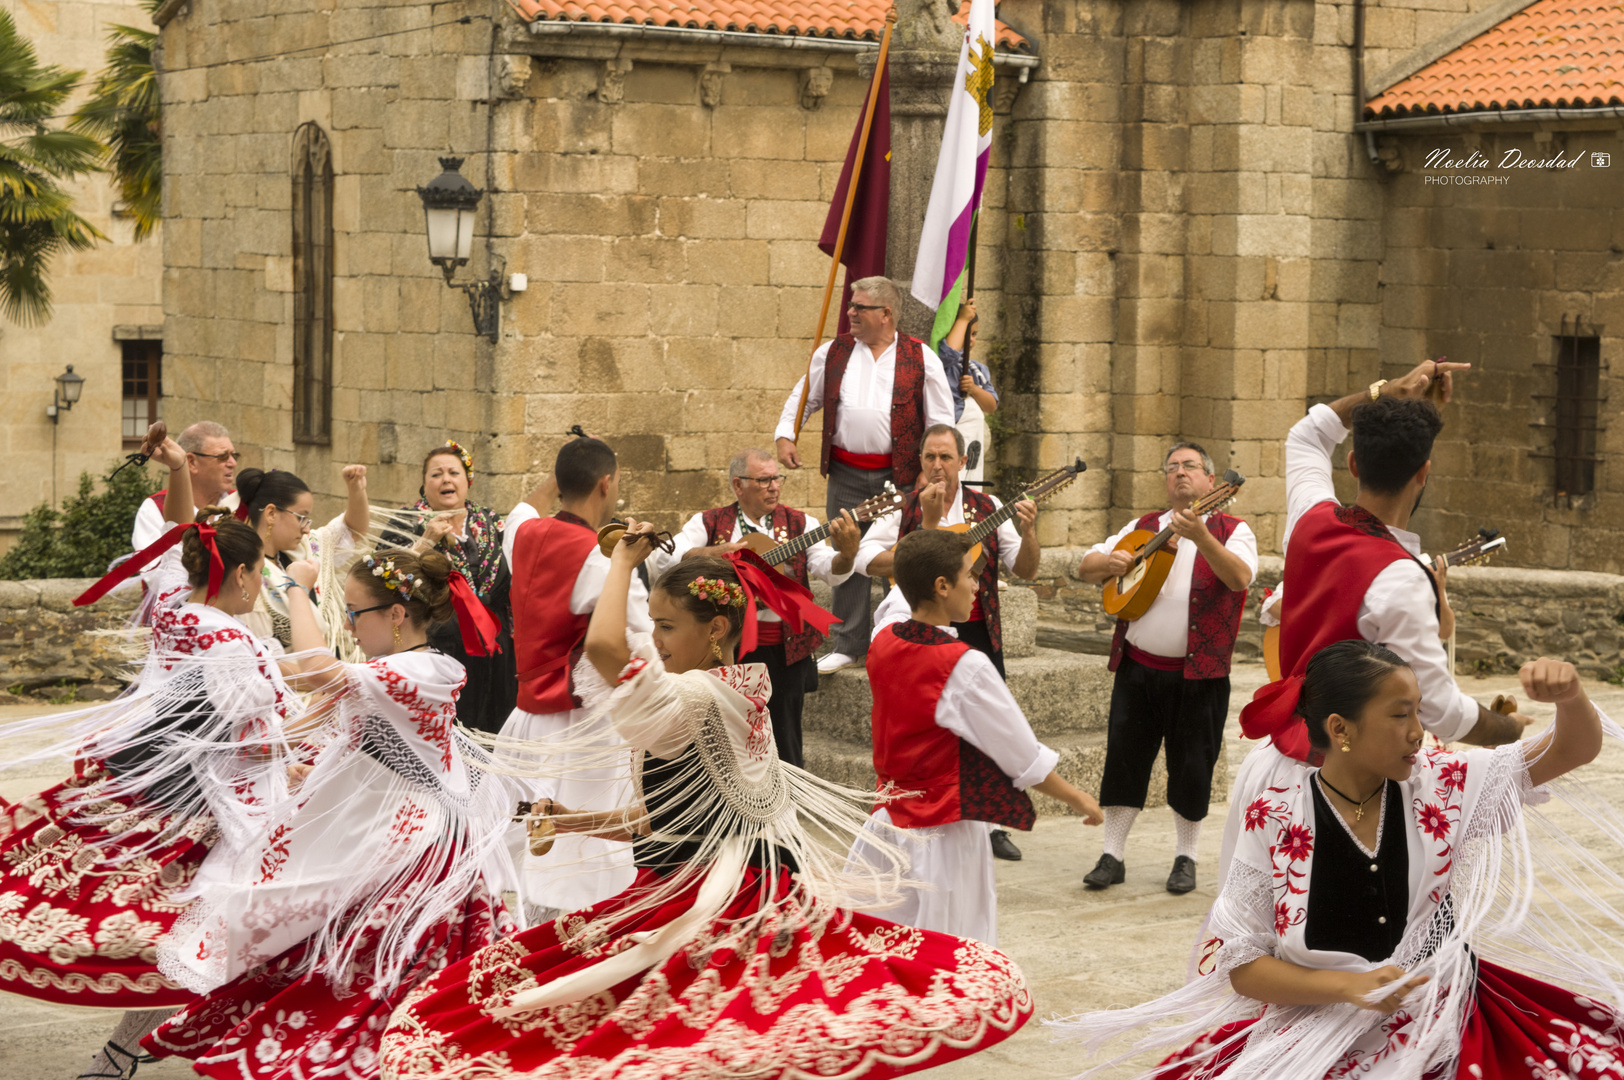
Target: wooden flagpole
845, 216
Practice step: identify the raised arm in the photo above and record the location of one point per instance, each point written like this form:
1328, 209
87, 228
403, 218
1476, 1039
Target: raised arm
606, 648
357, 514
1575, 737
319, 669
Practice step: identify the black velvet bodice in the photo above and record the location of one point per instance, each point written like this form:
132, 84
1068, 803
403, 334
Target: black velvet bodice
671, 787
1357, 904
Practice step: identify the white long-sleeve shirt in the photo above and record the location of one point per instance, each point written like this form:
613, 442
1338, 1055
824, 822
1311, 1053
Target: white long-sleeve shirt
1397, 610
589, 582
820, 557
1164, 628
883, 534
863, 421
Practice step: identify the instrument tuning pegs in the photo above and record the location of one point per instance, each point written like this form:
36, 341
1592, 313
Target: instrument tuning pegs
1233, 477
1080, 466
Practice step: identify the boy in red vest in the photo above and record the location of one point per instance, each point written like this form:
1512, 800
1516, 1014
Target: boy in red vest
947, 729
558, 573
1172, 667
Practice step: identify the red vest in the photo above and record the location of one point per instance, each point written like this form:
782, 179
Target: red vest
1215, 610
907, 404
548, 554
1335, 553
908, 665
719, 522
977, 507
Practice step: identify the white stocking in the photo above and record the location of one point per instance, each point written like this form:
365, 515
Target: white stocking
1118, 820
122, 1052
1189, 835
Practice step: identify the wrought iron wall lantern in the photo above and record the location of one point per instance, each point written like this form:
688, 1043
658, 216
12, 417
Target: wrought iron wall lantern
450, 204
68, 389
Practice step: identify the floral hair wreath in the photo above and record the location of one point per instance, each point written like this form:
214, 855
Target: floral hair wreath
393, 579
463, 456
719, 592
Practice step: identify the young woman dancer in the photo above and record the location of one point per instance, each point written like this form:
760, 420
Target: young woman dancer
731, 954
1371, 903
385, 868
96, 869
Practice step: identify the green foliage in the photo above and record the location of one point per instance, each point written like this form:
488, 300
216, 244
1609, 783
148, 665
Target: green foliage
37, 220
78, 541
124, 112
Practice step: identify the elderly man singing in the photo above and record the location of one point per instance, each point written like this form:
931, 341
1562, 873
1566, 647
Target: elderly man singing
211, 460
756, 508
879, 390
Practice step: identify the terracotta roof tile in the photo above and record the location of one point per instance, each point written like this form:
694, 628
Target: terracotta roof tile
855, 19
1553, 53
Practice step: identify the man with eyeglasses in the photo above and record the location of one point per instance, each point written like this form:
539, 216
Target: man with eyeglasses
879, 390
1172, 666
757, 487
212, 462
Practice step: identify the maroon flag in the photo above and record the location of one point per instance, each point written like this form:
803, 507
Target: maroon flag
864, 252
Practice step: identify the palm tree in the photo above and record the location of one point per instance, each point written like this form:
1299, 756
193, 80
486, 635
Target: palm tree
123, 112
36, 214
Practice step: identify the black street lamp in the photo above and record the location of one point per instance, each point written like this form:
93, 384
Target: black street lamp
450, 204
69, 387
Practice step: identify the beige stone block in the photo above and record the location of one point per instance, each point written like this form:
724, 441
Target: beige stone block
1281, 235
571, 126
562, 258
420, 305
771, 132
1271, 325
662, 131
602, 174
703, 219
598, 310
683, 310
1077, 318
777, 220
796, 262
665, 177
698, 364
748, 310
660, 84
644, 259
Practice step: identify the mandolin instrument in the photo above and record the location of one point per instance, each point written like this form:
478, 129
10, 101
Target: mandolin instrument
1130, 596
774, 552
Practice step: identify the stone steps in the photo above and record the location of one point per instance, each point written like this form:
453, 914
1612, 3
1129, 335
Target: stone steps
1066, 696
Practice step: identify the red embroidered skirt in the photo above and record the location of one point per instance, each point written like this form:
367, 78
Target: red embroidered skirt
78, 927
275, 1023
854, 997
1520, 1028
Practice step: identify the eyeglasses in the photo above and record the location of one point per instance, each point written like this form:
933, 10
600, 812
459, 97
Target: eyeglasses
351, 613
764, 481
222, 457
1173, 468
304, 519
865, 307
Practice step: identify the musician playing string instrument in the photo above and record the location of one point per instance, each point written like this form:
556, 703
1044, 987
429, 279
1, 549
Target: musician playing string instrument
1172, 666
757, 486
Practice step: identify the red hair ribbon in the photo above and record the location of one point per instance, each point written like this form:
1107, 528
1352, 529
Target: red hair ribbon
474, 620
1272, 714
241, 513
132, 566
785, 597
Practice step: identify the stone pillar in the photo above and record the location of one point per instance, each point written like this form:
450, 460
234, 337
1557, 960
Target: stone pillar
924, 54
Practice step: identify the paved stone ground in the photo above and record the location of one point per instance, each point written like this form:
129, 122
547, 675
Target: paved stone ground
1080, 950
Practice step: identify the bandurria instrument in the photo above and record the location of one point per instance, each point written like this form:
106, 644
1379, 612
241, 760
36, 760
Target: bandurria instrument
1130, 596
1480, 549
1037, 492
773, 552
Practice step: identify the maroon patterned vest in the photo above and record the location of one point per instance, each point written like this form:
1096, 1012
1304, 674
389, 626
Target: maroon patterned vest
977, 507
787, 524
952, 780
907, 404
1215, 609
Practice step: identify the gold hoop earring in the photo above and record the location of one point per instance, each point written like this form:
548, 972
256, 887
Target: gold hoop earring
716, 649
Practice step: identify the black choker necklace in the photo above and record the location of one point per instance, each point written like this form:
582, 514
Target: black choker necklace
1359, 814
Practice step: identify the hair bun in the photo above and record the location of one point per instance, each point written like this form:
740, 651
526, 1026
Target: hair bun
248, 481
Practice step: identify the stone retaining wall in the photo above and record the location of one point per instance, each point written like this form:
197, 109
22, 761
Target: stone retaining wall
47, 644
1504, 616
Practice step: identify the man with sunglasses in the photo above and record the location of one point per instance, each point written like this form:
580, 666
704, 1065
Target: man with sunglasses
879, 391
1172, 666
757, 486
211, 460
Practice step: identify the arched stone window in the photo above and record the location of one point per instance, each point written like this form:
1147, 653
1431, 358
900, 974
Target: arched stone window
312, 285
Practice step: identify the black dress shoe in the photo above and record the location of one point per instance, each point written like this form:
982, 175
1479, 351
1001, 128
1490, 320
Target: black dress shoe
1108, 871
1003, 847
1182, 879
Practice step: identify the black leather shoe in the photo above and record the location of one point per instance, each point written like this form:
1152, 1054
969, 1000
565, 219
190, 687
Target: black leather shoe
1182, 879
1108, 871
1003, 847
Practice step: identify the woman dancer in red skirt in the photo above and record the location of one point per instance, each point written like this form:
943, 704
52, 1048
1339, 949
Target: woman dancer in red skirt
385, 868
96, 869
1372, 902
733, 953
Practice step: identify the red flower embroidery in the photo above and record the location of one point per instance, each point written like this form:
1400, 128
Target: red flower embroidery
1452, 777
1296, 842
1432, 821
1285, 918
1257, 815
